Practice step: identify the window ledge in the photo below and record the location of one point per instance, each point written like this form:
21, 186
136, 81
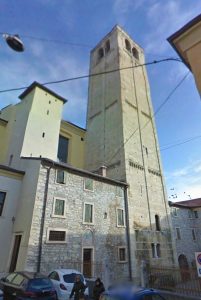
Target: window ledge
58, 216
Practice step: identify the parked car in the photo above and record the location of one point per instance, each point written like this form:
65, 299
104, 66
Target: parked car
130, 292
27, 285
63, 280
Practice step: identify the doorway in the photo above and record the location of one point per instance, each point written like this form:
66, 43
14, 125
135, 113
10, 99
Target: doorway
87, 262
184, 267
15, 252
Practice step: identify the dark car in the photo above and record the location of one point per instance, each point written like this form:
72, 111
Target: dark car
26, 286
129, 292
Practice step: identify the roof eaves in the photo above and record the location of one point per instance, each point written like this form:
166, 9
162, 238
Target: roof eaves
48, 161
37, 84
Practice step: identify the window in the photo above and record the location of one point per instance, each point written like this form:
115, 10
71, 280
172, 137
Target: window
18, 279
107, 46
178, 233
100, 53
2, 200
59, 207
56, 236
195, 214
157, 222
190, 214
60, 176
88, 213
62, 153
153, 250
128, 45
54, 275
193, 234
120, 217
88, 184
174, 211
122, 254
10, 277
156, 250
135, 53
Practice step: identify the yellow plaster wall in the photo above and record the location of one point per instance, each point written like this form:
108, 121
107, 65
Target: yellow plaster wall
43, 125
6, 131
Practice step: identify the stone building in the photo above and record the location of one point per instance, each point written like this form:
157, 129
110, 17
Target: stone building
186, 217
52, 214
46, 162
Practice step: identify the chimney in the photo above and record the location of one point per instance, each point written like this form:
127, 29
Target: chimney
103, 171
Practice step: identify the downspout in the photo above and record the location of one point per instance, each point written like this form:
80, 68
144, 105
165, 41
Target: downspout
43, 219
128, 233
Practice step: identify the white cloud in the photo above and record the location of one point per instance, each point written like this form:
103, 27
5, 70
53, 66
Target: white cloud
166, 17
122, 7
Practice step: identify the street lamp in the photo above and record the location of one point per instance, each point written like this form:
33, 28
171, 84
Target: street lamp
14, 42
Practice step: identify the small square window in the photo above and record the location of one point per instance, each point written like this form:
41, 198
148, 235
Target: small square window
60, 177
122, 254
88, 213
120, 217
2, 200
59, 207
88, 184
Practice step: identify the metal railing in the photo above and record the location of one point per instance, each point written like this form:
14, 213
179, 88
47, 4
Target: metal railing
184, 281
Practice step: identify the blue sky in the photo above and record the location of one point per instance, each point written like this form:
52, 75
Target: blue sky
84, 23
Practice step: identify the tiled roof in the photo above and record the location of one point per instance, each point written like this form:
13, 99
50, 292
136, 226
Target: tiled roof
193, 203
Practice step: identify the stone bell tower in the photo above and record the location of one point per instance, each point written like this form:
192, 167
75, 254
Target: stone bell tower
121, 135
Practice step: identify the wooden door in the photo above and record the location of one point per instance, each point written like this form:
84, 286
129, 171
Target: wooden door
87, 262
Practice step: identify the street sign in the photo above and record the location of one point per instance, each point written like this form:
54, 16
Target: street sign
198, 262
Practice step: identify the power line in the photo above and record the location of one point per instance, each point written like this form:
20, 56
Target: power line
151, 118
56, 41
95, 74
181, 143
52, 40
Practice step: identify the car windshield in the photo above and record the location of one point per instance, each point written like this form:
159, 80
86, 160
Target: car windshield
39, 283
70, 278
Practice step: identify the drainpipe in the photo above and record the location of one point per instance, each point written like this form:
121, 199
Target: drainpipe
43, 219
128, 233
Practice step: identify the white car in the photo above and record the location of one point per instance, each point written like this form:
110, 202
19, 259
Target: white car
63, 281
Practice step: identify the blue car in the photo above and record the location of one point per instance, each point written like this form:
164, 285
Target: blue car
130, 293
27, 285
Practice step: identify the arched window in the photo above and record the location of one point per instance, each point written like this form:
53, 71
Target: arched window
107, 46
128, 45
157, 221
100, 53
135, 53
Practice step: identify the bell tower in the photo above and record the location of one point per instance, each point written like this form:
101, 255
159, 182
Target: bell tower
121, 135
